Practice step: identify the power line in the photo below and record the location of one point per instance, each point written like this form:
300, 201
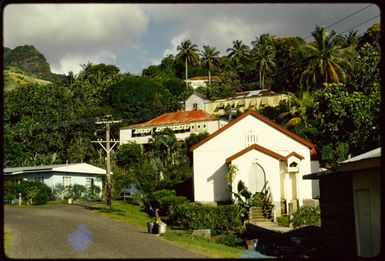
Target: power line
344, 18
360, 23
302, 62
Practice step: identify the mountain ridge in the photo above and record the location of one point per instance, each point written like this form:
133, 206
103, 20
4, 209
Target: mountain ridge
26, 59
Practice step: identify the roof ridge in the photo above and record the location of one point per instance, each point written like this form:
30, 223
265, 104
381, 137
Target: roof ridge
262, 118
258, 148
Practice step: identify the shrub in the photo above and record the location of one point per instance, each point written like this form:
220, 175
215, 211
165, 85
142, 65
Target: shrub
78, 191
283, 221
218, 219
230, 239
307, 216
92, 193
165, 200
10, 190
58, 191
35, 192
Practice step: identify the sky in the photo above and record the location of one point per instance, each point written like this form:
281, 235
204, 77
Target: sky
135, 36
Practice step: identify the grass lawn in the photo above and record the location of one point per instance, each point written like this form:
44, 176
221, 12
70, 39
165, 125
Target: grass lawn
132, 214
7, 239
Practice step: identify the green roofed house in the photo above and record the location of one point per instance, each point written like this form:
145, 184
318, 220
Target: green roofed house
350, 202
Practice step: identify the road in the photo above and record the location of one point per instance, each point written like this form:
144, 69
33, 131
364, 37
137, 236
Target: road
72, 231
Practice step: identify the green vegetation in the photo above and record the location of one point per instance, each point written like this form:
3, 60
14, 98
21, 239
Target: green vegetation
32, 192
336, 106
307, 216
14, 80
132, 214
201, 245
7, 239
219, 219
28, 60
283, 221
126, 213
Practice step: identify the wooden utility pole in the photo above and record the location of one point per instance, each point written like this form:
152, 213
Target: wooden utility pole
107, 120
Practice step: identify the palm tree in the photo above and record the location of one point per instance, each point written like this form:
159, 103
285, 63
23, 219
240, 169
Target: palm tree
263, 53
209, 58
188, 53
351, 39
299, 107
239, 53
326, 59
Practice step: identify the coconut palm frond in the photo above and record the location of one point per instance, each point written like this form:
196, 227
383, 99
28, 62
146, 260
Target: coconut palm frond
293, 122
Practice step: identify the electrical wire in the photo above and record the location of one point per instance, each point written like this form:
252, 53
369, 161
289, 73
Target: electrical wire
344, 18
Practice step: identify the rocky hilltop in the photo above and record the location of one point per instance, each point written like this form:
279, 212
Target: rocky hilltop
27, 60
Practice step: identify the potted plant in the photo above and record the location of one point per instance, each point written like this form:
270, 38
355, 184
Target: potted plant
159, 226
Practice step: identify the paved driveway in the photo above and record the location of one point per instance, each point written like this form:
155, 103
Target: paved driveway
71, 231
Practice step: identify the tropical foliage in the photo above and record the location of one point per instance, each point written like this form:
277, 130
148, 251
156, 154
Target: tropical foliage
333, 81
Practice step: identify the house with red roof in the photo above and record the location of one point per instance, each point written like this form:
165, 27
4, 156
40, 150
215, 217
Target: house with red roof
183, 123
268, 158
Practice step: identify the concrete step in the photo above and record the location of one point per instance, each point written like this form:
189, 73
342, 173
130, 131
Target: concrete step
256, 215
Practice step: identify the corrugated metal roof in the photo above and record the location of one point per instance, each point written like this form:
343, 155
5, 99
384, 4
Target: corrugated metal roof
376, 153
250, 94
73, 167
175, 118
32, 168
370, 155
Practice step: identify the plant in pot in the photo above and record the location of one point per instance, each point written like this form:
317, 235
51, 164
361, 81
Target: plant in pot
159, 226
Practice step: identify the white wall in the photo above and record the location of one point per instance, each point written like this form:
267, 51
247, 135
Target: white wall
52, 178
194, 99
195, 127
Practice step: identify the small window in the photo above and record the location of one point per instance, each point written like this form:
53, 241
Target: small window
293, 164
204, 126
195, 106
199, 126
66, 181
89, 182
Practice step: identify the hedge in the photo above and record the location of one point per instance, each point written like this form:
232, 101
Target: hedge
307, 216
218, 219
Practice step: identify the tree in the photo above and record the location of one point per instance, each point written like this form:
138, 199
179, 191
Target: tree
172, 155
209, 59
188, 53
239, 53
288, 63
347, 117
299, 108
351, 39
372, 36
326, 59
365, 75
140, 99
129, 155
263, 53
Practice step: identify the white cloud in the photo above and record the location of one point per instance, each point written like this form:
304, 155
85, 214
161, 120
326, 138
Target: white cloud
73, 63
175, 42
74, 30
72, 34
